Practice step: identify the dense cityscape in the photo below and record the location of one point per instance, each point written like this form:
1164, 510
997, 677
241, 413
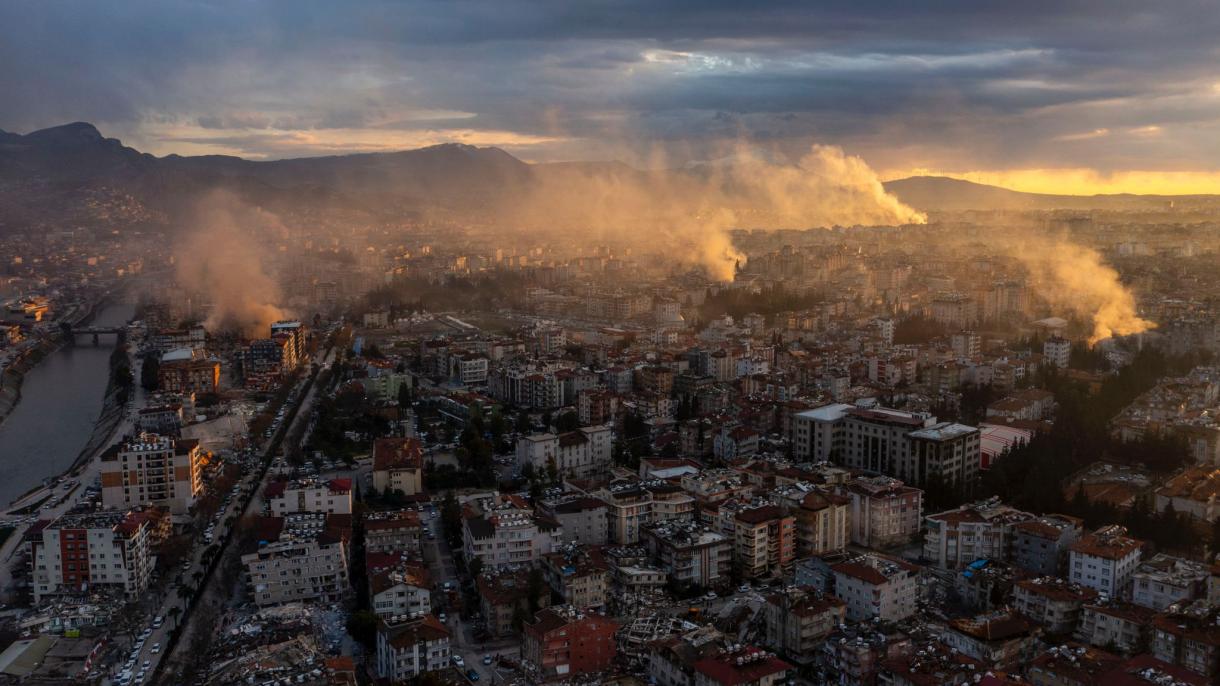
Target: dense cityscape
450, 414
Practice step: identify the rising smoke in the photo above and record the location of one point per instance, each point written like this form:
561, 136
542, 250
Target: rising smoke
221, 258
686, 214
1073, 277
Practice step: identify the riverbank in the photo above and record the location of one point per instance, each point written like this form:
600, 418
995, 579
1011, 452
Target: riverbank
13, 376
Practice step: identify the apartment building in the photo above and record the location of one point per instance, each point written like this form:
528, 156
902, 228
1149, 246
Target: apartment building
1189, 638
1040, 545
398, 465
578, 454
78, 553
799, 620
1113, 624
298, 557
579, 575
152, 469
764, 541
1054, 603
689, 553
583, 518
875, 585
822, 523
391, 531
405, 592
504, 595
502, 531
1105, 560
983, 530
285, 496
884, 511
564, 642
410, 646
1165, 580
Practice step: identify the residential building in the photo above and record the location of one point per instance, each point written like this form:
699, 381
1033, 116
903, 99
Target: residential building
398, 465
1057, 351
562, 642
884, 511
1189, 638
392, 531
579, 575
689, 553
1124, 626
1001, 640
583, 518
80, 553
505, 531
578, 454
408, 647
1054, 603
946, 453
1040, 545
822, 523
764, 541
875, 585
972, 532
298, 557
309, 495
504, 598
401, 592
1105, 560
1165, 580
799, 620
152, 469
741, 666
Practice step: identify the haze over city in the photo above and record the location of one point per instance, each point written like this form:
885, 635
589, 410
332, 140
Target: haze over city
566, 343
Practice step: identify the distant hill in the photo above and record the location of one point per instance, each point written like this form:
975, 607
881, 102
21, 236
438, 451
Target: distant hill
939, 193
66, 173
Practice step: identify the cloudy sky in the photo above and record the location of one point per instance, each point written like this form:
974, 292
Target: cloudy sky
1057, 96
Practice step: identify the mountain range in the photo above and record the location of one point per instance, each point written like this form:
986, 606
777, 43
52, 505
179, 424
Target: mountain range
66, 173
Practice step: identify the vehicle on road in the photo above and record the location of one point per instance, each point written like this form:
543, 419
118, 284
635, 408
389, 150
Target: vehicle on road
472, 675
486, 659
458, 661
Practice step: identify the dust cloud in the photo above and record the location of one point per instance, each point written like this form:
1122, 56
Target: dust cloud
1074, 277
686, 214
221, 258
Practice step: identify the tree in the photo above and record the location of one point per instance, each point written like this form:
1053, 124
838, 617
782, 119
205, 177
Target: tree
524, 424
567, 421
174, 612
362, 627
148, 373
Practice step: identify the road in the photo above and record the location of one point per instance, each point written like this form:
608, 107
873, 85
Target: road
210, 593
440, 561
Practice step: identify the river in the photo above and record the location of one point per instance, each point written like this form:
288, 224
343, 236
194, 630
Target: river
61, 398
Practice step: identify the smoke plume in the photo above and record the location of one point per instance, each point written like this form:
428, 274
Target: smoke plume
222, 259
686, 214
1074, 277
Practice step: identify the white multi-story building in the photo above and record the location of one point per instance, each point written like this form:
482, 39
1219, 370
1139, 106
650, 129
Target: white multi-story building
1163, 580
972, 532
298, 557
399, 593
407, 647
877, 586
689, 553
1105, 561
578, 454
152, 469
76, 553
310, 495
398, 465
1057, 351
505, 531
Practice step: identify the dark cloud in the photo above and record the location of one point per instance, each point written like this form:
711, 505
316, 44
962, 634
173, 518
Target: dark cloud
948, 84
